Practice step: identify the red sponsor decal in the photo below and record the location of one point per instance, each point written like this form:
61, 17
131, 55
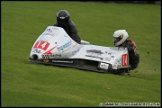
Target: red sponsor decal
49, 51
41, 45
125, 60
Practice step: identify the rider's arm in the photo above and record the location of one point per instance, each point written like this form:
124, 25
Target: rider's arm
74, 34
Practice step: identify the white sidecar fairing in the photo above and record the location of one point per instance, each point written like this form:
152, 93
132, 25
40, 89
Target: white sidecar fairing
55, 47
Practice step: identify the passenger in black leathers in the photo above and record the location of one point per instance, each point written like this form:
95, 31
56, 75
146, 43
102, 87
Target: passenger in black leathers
64, 21
121, 40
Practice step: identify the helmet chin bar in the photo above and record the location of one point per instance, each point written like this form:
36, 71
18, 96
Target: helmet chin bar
62, 22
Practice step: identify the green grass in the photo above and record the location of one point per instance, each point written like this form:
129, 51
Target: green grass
27, 84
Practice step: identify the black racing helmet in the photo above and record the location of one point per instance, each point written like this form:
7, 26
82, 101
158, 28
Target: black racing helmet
63, 17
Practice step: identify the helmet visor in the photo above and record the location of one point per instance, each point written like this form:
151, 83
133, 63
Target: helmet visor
62, 21
117, 39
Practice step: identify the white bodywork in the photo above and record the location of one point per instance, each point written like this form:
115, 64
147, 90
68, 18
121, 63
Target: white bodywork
55, 43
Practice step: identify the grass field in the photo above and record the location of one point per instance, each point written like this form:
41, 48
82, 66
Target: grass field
26, 84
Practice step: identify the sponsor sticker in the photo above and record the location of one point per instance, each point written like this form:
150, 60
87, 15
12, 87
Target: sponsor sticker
50, 56
63, 47
104, 66
46, 61
125, 60
62, 61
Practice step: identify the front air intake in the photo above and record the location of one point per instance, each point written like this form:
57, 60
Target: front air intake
34, 57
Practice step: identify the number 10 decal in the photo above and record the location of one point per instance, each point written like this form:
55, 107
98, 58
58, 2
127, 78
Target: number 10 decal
125, 60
